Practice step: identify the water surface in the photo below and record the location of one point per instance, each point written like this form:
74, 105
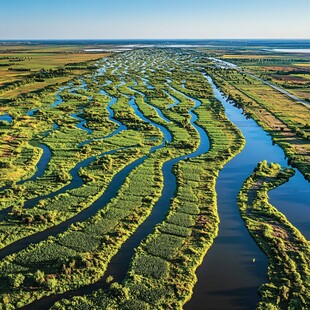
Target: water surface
228, 278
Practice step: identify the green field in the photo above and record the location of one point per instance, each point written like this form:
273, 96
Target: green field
109, 156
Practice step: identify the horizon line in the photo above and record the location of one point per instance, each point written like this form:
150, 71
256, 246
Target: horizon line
151, 39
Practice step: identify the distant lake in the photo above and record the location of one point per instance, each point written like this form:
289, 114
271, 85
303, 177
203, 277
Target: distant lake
116, 50
292, 50
94, 50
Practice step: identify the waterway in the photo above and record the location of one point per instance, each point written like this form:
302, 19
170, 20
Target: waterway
228, 278
119, 264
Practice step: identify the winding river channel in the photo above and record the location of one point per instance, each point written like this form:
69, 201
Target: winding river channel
119, 264
227, 278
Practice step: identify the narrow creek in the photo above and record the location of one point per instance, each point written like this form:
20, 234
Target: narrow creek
228, 278
157, 110
76, 182
40, 169
108, 194
120, 126
81, 123
44, 160
175, 100
42, 164
46, 152
6, 118
119, 264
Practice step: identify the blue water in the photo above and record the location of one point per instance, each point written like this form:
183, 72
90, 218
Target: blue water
271, 43
175, 101
31, 112
6, 117
227, 278
81, 123
292, 50
158, 111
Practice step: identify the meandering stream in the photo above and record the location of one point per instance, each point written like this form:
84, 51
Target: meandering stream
119, 264
228, 278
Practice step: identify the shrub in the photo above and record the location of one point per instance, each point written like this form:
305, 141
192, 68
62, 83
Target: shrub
151, 266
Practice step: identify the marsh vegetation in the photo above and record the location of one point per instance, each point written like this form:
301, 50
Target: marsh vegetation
117, 158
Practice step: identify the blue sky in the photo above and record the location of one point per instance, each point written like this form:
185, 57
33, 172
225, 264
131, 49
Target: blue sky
154, 19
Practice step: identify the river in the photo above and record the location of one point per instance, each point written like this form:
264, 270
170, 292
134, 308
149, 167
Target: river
225, 64
228, 278
119, 264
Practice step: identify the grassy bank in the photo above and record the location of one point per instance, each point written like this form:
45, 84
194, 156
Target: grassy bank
162, 272
286, 121
287, 250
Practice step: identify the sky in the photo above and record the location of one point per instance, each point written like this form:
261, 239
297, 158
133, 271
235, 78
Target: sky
154, 19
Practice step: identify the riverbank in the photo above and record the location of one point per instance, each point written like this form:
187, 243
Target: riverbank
287, 250
284, 121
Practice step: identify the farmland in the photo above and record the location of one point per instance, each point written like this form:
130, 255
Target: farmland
290, 71
112, 166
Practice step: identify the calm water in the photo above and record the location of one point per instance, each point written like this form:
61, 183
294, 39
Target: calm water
227, 278
119, 264
292, 50
6, 117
